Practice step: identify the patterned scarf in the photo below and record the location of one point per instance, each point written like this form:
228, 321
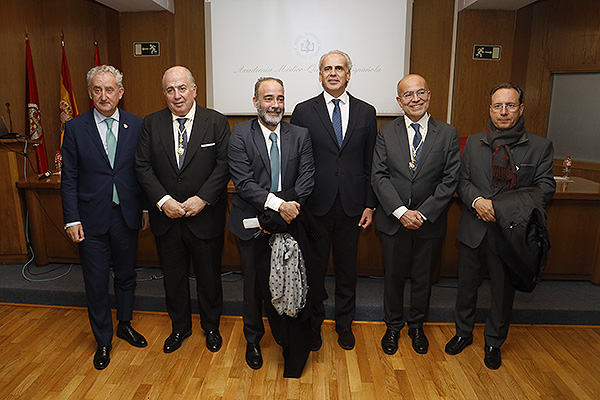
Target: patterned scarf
504, 170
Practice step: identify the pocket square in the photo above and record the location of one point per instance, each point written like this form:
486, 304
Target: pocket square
207, 144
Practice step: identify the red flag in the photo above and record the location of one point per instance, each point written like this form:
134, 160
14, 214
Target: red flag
67, 105
96, 63
35, 132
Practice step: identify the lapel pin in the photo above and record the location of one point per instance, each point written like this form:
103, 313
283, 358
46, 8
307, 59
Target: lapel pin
125, 126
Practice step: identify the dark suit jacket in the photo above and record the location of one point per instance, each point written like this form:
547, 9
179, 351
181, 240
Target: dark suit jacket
204, 173
87, 178
428, 189
346, 170
251, 170
533, 156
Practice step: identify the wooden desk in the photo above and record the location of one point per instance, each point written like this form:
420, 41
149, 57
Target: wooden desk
13, 246
573, 223
51, 244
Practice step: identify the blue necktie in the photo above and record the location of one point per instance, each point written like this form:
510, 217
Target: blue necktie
111, 148
417, 141
182, 141
336, 119
274, 155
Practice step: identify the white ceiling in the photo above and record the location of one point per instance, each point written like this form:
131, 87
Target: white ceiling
139, 5
493, 4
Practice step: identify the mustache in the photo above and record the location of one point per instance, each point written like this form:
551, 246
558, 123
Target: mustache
274, 109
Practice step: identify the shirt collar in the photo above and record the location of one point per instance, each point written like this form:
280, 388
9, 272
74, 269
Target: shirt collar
190, 115
99, 118
266, 131
343, 97
422, 122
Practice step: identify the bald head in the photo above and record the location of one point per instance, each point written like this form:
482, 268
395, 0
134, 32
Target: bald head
413, 96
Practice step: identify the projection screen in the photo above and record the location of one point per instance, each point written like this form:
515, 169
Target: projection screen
247, 39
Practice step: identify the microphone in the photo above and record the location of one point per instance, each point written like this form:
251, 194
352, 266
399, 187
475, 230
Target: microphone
45, 175
7, 105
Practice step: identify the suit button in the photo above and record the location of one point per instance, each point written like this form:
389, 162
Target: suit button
178, 180
336, 174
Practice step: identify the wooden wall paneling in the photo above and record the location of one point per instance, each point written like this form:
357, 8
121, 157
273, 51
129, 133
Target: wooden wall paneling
565, 35
431, 49
474, 78
82, 22
142, 76
190, 49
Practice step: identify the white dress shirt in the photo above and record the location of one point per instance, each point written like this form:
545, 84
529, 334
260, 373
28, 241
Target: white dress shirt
423, 126
344, 108
189, 123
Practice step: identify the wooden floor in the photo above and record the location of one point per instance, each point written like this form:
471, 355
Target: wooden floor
46, 353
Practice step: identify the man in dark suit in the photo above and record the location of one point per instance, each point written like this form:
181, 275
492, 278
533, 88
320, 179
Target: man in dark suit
503, 157
415, 171
181, 164
102, 205
266, 156
343, 130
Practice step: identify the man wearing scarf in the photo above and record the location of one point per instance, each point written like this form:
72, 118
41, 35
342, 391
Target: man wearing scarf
503, 157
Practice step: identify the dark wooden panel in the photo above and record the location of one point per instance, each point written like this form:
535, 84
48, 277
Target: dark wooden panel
475, 78
431, 49
142, 76
82, 22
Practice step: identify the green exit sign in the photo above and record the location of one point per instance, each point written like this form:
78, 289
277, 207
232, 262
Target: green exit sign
484, 52
146, 49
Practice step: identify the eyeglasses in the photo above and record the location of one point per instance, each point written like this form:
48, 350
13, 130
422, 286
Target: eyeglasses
509, 107
421, 93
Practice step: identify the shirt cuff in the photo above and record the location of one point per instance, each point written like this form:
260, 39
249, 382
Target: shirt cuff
476, 198
273, 202
399, 212
70, 224
162, 201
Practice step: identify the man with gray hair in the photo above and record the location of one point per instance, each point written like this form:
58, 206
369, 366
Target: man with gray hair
343, 130
102, 205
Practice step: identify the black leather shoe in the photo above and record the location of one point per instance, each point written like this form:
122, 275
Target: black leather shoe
174, 341
419, 340
389, 342
492, 358
253, 356
457, 344
346, 338
317, 341
213, 340
125, 331
102, 357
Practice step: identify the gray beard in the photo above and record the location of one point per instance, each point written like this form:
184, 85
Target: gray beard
267, 119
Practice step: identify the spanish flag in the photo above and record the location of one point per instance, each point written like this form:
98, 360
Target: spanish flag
34, 117
67, 105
